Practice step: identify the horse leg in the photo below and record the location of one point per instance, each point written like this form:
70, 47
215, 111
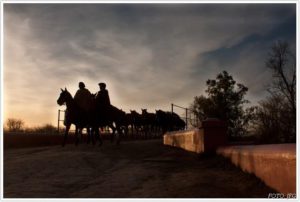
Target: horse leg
132, 132
92, 136
113, 133
81, 135
98, 135
91, 132
119, 134
136, 130
153, 129
76, 135
126, 131
145, 128
66, 134
89, 137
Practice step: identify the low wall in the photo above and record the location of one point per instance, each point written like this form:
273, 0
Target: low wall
190, 140
208, 138
274, 164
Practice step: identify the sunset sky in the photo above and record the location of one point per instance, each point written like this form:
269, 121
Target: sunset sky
149, 55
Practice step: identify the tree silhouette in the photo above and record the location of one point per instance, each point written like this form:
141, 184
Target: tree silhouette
14, 125
275, 117
272, 123
225, 101
282, 62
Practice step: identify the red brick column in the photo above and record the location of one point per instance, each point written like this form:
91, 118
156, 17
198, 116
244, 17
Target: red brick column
215, 134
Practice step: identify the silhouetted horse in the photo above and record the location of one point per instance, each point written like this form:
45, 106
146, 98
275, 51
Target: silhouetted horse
149, 122
169, 121
109, 116
125, 122
177, 122
163, 120
74, 116
129, 120
137, 121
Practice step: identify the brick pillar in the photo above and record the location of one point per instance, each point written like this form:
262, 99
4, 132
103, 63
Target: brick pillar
215, 134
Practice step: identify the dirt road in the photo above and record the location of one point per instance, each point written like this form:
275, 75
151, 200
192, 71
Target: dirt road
135, 169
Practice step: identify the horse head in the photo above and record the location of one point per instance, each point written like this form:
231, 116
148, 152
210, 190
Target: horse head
64, 97
160, 113
122, 112
134, 113
157, 111
144, 111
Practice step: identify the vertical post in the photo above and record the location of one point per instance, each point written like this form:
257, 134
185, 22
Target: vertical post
186, 118
58, 119
172, 108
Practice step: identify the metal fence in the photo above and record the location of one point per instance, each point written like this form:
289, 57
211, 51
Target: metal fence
60, 119
186, 115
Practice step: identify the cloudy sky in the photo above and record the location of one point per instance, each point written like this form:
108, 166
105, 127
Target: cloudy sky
149, 55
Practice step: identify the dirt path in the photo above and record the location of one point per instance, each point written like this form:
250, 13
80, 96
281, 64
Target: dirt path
135, 169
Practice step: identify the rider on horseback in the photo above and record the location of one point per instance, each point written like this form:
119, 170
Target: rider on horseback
103, 105
83, 98
102, 99
102, 96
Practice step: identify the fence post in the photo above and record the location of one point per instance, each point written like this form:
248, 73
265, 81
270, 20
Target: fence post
172, 105
186, 118
58, 120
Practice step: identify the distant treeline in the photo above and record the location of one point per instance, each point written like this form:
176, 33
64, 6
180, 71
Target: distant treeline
17, 126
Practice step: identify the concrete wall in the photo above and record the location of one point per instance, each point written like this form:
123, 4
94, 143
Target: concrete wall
208, 138
274, 164
190, 140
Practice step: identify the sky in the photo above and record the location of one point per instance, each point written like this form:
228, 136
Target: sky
149, 55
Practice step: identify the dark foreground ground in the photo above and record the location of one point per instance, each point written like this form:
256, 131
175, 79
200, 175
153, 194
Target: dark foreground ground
135, 169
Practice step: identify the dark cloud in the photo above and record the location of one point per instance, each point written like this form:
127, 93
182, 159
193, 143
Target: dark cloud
247, 58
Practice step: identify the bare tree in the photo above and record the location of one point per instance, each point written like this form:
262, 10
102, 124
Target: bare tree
282, 62
272, 123
14, 125
275, 119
